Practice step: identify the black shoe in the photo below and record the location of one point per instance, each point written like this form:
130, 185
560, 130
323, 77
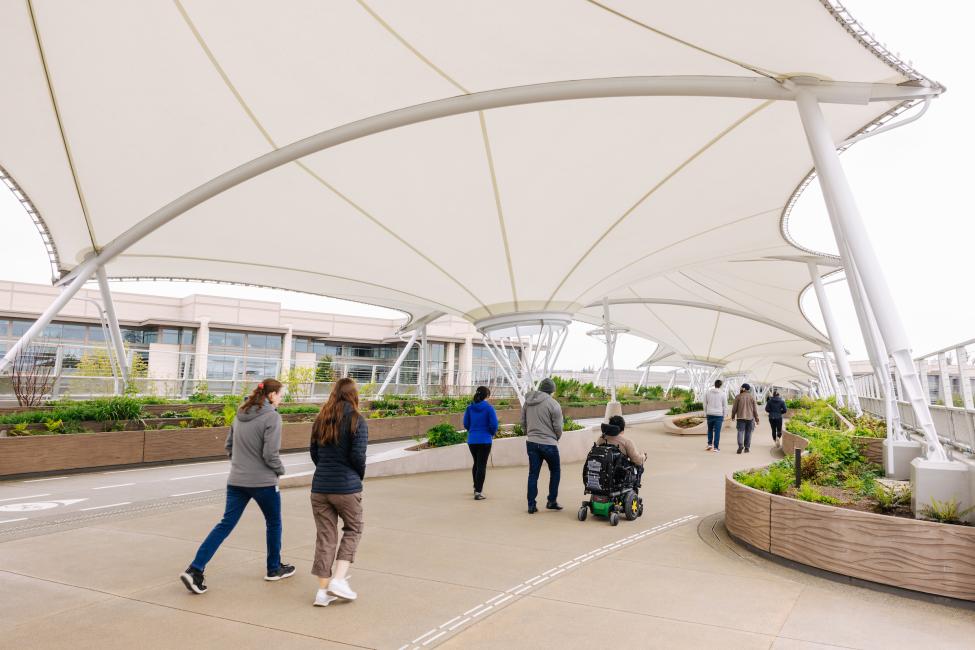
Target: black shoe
739, 450
532, 509
479, 497
193, 580
553, 506
283, 571
746, 450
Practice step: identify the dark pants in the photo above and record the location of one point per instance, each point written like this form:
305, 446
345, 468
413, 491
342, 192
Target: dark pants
714, 429
776, 424
268, 500
745, 428
536, 454
480, 453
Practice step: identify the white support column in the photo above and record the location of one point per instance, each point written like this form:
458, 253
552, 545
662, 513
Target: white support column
113, 328
202, 350
946, 395
848, 226
922, 373
831, 375
610, 350
466, 375
835, 340
82, 274
451, 351
394, 371
963, 379
422, 377
599, 373
286, 349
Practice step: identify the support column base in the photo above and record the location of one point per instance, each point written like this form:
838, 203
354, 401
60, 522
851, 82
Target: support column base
905, 451
940, 480
613, 408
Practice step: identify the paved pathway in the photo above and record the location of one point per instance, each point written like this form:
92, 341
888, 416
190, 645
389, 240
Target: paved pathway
437, 569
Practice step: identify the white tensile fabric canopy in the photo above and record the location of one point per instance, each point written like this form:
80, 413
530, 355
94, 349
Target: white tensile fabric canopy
674, 207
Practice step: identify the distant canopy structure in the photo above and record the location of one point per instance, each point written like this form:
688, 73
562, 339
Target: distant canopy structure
479, 159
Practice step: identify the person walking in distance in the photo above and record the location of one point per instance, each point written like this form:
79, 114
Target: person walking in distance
776, 408
715, 410
254, 445
541, 420
745, 413
338, 449
481, 422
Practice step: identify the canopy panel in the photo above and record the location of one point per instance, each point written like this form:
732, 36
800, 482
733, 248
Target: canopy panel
122, 107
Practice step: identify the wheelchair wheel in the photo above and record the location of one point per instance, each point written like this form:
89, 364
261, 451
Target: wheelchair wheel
614, 519
631, 506
583, 513
639, 512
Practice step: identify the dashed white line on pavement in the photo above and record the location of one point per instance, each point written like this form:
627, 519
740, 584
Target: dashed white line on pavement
10, 521
38, 480
31, 496
109, 487
533, 582
111, 505
186, 494
183, 478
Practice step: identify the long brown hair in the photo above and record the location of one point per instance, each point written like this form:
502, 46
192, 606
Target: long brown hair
263, 389
325, 431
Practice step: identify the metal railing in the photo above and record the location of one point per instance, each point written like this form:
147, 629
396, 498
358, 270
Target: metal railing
956, 426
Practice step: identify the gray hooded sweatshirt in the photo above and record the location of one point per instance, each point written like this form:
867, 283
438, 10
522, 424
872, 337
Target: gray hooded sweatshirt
541, 418
253, 444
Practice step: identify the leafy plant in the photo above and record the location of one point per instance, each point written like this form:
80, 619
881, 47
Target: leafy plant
205, 417
324, 372
202, 394
808, 493
298, 408
229, 413
419, 410
946, 512
444, 434
889, 499
568, 424
20, 429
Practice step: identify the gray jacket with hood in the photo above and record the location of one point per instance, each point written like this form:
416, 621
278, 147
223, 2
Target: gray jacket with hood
541, 418
254, 445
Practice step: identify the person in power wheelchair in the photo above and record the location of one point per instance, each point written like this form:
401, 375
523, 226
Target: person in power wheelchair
612, 473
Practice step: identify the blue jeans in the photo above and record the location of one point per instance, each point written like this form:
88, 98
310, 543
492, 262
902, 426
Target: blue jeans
536, 454
714, 429
268, 500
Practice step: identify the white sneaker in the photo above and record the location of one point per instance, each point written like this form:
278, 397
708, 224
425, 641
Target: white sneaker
341, 589
323, 598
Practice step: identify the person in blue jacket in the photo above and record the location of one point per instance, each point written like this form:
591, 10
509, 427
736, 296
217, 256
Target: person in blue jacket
481, 423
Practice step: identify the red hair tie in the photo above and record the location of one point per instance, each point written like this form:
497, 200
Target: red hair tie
261, 385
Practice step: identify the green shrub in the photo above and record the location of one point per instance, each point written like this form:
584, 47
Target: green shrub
946, 512
888, 498
205, 417
445, 434
297, 409
99, 410
808, 493
571, 425
518, 430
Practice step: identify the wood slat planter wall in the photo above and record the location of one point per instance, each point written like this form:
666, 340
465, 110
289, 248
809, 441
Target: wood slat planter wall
919, 555
32, 454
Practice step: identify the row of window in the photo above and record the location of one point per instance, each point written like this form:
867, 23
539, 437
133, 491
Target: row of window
242, 340
80, 333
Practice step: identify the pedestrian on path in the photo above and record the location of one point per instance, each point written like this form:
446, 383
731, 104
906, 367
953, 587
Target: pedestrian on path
541, 420
338, 449
745, 412
715, 410
481, 422
254, 445
776, 408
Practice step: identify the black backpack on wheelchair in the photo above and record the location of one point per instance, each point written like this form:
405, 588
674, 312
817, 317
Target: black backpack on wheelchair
611, 479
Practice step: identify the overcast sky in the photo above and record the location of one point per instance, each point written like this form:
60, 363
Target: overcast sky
912, 186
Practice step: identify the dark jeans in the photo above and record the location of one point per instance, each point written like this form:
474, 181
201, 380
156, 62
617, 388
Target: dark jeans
268, 500
714, 429
480, 453
536, 454
745, 428
776, 424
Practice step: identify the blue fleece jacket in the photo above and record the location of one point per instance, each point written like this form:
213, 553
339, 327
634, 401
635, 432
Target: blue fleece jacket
481, 423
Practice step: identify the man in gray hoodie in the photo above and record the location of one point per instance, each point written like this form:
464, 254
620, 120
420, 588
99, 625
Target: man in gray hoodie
541, 420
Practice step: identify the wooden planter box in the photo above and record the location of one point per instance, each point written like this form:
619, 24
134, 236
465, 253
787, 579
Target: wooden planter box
33, 454
920, 555
873, 448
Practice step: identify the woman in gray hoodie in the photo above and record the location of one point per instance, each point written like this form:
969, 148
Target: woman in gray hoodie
253, 444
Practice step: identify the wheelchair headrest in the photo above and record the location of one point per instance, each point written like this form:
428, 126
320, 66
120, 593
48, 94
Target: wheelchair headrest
610, 429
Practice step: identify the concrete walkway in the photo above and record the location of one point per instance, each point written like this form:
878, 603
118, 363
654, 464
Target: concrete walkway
436, 568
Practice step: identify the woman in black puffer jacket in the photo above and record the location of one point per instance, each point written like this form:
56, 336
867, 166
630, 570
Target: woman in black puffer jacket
338, 449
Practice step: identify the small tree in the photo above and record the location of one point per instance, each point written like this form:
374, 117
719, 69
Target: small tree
298, 381
324, 372
32, 375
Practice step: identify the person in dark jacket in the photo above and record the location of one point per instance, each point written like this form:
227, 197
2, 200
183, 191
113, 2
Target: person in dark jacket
253, 445
338, 449
776, 408
541, 419
481, 422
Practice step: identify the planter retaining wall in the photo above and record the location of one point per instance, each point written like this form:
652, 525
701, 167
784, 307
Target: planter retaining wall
919, 555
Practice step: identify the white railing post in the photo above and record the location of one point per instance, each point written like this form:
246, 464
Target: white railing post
963, 382
946, 397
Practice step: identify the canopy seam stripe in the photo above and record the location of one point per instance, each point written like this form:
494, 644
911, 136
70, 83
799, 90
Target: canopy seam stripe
668, 246
749, 347
502, 226
714, 333
83, 203
662, 321
287, 268
710, 143
747, 66
484, 136
714, 291
682, 288
722, 283
301, 164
